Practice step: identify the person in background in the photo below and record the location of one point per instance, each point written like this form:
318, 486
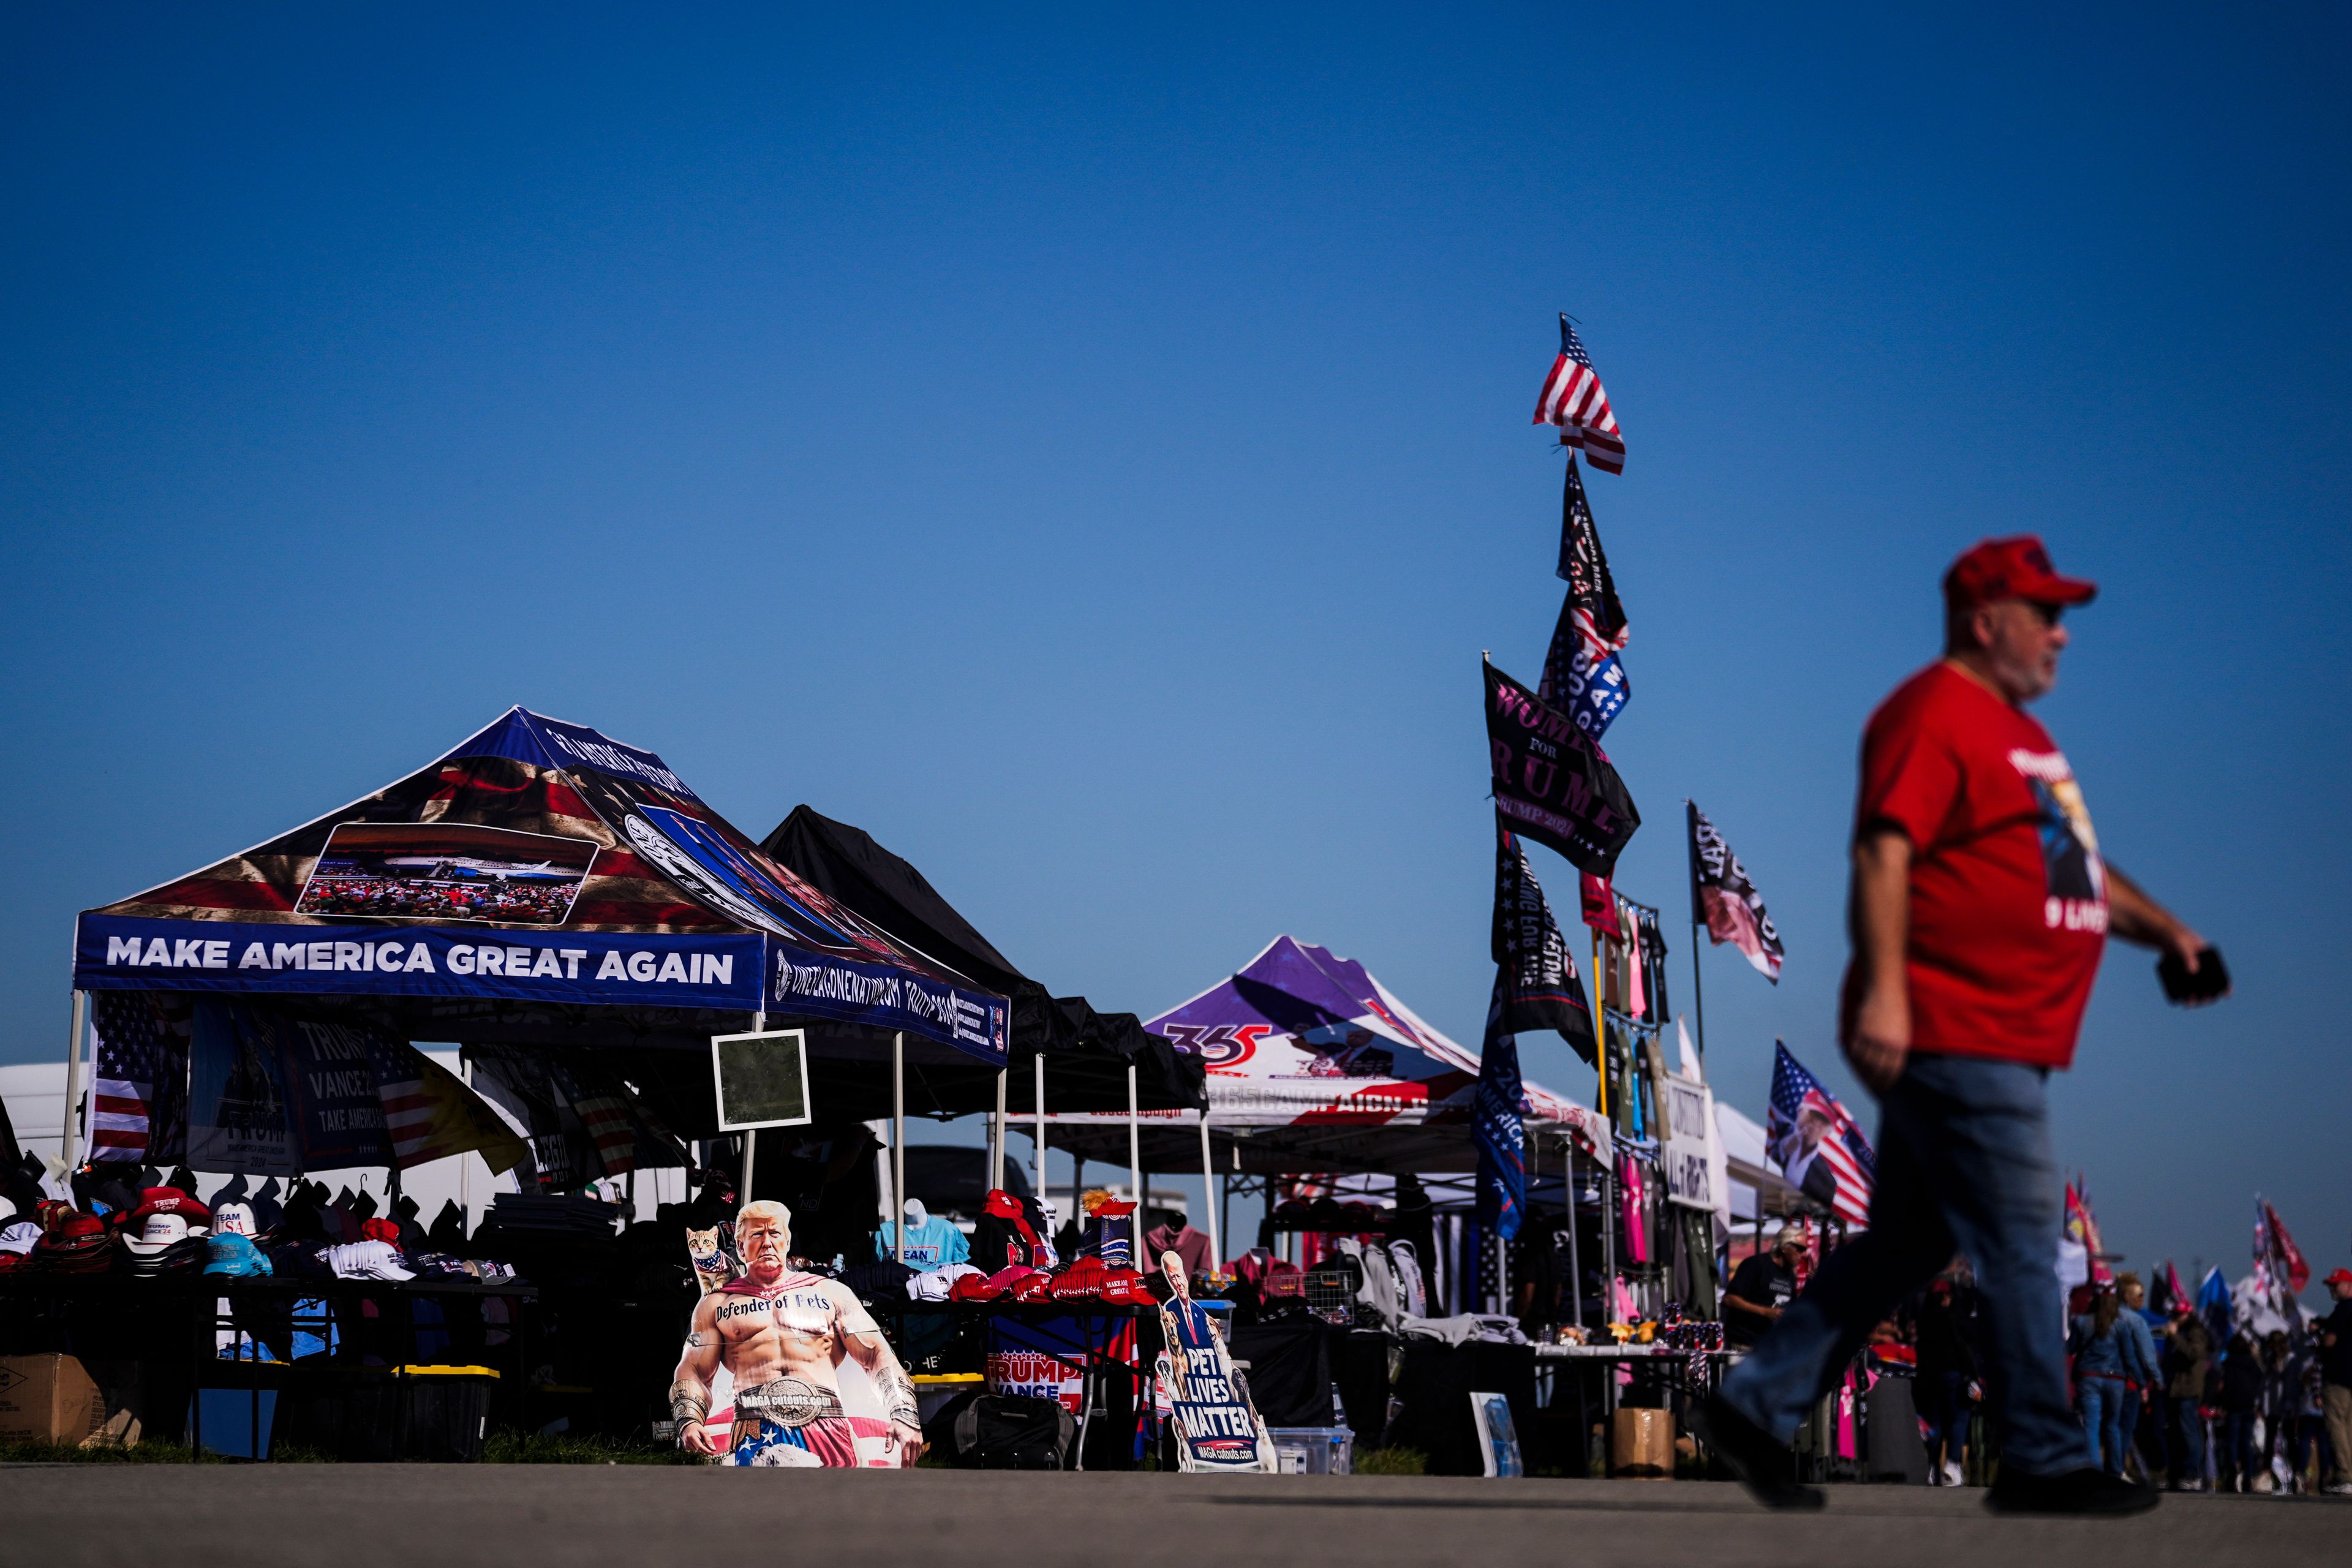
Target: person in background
2241, 1405
2108, 1361
1979, 906
2335, 1380
1947, 1370
2281, 1398
1761, 1287
2138, 1325
2189, 1356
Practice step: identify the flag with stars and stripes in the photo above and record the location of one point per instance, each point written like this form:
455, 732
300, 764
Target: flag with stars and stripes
139, 1095
1572, 399
1816, 1142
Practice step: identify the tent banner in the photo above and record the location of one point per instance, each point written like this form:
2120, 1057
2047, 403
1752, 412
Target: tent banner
718, 969
882, 997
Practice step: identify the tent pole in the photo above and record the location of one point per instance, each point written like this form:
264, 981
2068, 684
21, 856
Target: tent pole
1209, 1198
1039, 1090
752, 1135
1135, 1165
899, 1142
1575, 1263
996, 1136
71, 1144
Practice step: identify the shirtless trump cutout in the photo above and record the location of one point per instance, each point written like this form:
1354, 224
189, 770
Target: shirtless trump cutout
783, 1334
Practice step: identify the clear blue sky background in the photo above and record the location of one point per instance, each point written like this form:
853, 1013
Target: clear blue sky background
1091, 455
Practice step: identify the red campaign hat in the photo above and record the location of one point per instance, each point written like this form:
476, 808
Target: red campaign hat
1001, 1204
1034, 1285
171, 1200
1082, 1280
974, 1288
1124, 1286
2341, 1276
380, 1230
2013, 568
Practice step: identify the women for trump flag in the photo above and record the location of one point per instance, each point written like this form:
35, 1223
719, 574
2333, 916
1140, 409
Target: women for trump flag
1723, 900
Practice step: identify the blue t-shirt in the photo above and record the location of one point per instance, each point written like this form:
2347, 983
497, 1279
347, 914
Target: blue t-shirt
934, 1244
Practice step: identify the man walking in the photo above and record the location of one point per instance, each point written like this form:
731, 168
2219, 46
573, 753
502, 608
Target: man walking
1979, 908
2336, 1378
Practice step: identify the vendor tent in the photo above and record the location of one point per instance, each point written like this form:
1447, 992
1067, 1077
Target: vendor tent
1315, 1065
540, 884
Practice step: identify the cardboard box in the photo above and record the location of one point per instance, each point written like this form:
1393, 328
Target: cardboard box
48, 1399
1643, 1444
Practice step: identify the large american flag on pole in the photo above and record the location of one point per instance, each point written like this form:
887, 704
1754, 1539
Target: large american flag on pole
139, 1095
1816, 1143
1572, 399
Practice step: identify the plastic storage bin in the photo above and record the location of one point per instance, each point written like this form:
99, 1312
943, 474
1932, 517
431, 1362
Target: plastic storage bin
1314, 1450
417, 1412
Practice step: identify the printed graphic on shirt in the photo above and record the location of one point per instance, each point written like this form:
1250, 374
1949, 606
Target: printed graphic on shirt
2075, 880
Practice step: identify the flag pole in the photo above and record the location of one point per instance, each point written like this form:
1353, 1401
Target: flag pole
1600, 1025
1690, 849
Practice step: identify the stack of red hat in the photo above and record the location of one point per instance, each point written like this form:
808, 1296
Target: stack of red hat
1034, 1285
1081, 1279
75, 1243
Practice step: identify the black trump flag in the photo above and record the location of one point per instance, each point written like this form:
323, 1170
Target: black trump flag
1551, 783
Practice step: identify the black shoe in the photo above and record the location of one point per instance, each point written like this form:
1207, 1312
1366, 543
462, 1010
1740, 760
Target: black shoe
2084, 1491
1765, 1466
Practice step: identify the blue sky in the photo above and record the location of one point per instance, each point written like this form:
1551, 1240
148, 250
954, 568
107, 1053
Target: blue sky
1091, 454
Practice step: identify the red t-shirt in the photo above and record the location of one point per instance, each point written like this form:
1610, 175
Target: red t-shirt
2009, 898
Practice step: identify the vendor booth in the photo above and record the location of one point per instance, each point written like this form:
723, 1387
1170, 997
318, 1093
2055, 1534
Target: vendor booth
603, 945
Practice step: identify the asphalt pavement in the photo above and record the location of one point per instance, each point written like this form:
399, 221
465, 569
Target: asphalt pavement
421, 1516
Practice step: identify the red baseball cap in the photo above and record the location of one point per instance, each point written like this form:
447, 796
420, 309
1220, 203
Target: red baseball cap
2013, 568
2341, 1276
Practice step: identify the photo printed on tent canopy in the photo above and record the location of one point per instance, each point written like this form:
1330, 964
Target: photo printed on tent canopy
447, 871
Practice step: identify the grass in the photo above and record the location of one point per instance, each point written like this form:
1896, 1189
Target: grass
564, 1449
1391, 1462
502, 1448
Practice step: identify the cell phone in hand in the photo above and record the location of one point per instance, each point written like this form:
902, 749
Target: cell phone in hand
2180, 987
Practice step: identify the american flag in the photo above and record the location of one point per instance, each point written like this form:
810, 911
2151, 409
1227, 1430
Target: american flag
1572, 399
1844, 1151
139, 1096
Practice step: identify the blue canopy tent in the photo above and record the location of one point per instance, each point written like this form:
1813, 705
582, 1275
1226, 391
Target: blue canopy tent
542, 885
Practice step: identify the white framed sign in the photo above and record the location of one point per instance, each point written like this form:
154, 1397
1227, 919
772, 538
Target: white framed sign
761, 1080
1688, 1154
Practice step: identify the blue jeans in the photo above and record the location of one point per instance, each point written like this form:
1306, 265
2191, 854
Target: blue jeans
1963, 1165
2101, 1400
2188, 1441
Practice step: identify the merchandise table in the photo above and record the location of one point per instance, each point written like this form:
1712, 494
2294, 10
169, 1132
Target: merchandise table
37, 1306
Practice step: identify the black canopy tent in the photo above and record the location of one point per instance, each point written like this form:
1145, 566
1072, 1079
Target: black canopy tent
1063, 1051
1087, 1053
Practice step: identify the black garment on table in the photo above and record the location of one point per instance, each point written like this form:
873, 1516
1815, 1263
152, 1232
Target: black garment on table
1289, 1370
448, 1232
1359, 1368
2335, 1361
1434, 1399
1763, 1282
881, 1280
1001, 1241
1539, 1258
